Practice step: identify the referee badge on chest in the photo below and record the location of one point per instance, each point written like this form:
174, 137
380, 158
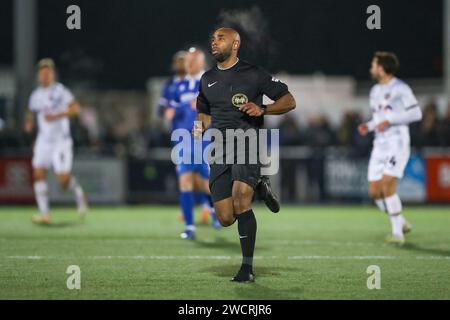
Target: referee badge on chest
239, 100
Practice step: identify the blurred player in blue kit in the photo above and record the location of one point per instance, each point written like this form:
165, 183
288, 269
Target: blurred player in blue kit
178, 105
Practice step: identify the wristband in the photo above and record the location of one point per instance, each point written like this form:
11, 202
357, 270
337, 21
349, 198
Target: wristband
264, 109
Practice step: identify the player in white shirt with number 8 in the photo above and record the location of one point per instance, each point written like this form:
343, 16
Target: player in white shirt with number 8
53, 105
393, 106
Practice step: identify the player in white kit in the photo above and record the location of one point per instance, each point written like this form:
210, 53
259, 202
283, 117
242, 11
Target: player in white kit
393, 106
53, 105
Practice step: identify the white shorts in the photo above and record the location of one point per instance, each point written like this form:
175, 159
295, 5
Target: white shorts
388, 158
56, 155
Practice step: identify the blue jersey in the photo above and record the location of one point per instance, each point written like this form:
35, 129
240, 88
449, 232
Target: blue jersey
168, 93
182, 101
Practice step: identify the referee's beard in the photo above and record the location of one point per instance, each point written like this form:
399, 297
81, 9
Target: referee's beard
223, 56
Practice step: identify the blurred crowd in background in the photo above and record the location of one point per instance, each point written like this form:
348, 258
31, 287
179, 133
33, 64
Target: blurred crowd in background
432, 131
112, 124
108, 133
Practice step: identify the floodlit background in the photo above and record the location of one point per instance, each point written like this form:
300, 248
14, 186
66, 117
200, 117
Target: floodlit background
328, 233
322, 49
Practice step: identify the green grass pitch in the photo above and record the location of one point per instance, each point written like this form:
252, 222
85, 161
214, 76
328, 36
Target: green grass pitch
301, 253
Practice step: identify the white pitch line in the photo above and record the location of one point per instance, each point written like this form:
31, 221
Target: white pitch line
305, 242
342, 258
26, 257
327, 243
233, 257
433, 258
161, 257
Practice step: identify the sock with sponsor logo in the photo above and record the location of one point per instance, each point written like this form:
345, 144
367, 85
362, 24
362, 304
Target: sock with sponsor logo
41, 194
247, 235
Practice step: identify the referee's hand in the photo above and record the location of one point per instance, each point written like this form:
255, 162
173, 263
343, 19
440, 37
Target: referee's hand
252, 109
198, 129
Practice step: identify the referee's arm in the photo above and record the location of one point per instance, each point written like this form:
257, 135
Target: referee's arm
284, 104
281, 105
277, 91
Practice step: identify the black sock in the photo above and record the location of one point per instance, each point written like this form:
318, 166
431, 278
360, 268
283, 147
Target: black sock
247, 235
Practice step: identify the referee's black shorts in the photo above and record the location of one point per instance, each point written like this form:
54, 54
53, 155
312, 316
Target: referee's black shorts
222, 177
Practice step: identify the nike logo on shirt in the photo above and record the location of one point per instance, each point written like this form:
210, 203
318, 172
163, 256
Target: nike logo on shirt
211, 84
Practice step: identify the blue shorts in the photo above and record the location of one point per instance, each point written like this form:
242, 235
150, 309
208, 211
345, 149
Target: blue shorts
202, 169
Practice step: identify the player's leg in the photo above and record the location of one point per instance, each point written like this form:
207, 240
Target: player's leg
220, 185
187, 202
232, 201
394, 167
41, 195
245, 180
202, 198
216, 223
63, 180
374, 176
67, 181
247, 226
393, 206
41, 163
225, 211
203, 180
62, 164
264, 192
376, 193
394, 209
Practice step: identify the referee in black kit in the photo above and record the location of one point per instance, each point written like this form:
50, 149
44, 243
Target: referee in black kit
230, 97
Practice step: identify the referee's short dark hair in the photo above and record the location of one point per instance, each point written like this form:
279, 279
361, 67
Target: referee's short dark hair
388, 60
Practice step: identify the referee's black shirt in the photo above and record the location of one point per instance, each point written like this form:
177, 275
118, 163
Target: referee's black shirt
222, 92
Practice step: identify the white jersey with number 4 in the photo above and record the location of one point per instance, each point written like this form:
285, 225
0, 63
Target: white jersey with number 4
396, 103
53, 147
